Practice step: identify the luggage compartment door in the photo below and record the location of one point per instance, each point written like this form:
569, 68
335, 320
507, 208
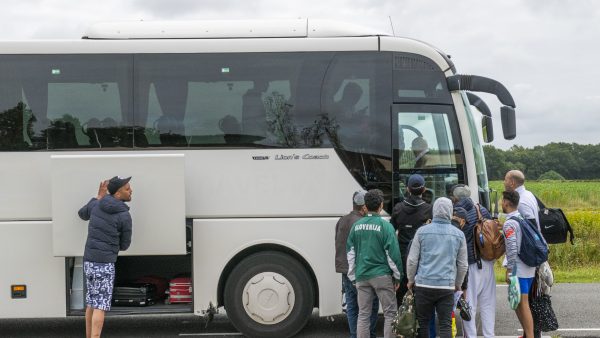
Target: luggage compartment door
157, 204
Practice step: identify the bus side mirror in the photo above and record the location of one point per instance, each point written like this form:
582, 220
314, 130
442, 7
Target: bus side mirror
509, 124
487, 129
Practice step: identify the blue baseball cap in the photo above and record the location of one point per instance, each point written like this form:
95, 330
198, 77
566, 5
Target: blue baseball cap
416, 181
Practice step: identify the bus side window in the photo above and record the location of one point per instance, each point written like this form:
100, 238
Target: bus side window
61, 133
170, 131
12, 126
349, 105
172, 95
231, 129
254, 115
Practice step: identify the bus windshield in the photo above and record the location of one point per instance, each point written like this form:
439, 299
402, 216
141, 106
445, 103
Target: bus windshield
426, 142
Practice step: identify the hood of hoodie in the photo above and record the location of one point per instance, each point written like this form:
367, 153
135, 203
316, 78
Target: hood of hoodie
465, 203
111, 205
411, 204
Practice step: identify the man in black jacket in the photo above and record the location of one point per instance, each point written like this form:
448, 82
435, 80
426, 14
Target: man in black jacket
109, 231
407, 217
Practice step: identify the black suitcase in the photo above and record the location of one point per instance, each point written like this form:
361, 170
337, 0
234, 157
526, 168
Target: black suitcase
134, 294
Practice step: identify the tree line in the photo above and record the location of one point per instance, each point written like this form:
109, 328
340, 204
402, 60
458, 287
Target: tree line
570, 161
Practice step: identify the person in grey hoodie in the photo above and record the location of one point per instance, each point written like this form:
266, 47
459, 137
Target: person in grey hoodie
109, 231
436, 267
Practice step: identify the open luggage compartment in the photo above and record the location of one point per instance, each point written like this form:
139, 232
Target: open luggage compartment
141, 285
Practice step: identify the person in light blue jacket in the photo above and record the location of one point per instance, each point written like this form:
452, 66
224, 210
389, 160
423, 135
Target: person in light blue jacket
436, 267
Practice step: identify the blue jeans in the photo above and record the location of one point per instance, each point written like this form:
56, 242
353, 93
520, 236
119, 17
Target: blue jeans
352, 308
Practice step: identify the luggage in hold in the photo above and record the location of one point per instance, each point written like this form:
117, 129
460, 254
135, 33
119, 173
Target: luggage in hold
161, 284
180, 290
134, 294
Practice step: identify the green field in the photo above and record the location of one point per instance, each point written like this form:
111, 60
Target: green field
567, 195
580, 200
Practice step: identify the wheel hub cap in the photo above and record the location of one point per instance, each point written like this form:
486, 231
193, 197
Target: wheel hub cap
268, 298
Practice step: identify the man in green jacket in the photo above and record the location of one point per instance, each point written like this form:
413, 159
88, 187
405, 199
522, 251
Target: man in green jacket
374, 264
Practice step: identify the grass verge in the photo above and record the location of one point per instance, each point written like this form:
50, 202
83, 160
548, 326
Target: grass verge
580, 200
589, 274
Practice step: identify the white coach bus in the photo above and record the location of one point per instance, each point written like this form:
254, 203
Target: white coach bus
245, 141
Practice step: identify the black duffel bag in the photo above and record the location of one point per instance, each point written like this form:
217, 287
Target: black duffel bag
554, 224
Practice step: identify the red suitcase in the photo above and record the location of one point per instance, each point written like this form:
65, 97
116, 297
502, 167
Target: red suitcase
180, 290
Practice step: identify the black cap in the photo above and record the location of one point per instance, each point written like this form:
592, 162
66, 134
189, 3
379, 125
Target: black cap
116, 183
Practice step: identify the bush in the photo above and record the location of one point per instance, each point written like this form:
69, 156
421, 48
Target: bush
551, 175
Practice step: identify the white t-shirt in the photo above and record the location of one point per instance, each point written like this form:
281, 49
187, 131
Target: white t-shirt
528, 206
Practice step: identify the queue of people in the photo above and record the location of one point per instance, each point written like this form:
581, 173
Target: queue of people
431, 251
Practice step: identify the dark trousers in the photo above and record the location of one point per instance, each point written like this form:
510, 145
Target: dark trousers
429, 300
402, 289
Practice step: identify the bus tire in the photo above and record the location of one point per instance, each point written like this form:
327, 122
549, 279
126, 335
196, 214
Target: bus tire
269, 294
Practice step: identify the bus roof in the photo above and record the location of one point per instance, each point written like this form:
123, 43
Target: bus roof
222, 29
227, 36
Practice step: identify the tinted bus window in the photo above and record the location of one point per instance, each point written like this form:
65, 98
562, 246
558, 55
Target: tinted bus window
357, 99
232, 100
65, 102
418, 79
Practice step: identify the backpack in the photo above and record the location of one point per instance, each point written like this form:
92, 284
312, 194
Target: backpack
488, 238
533, 251
554, 224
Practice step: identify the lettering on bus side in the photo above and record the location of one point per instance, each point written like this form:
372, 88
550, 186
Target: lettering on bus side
315, 157
287, 157
282, 157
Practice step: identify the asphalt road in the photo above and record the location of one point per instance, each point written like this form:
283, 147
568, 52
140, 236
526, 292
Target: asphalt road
577, 307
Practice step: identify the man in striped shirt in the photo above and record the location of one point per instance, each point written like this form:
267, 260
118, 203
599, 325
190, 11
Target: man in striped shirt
513, 235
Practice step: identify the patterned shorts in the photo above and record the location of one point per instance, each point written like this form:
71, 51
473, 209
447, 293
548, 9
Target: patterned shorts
99, 280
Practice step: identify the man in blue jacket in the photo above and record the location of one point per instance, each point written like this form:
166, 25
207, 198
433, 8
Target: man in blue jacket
436, 267
109, 231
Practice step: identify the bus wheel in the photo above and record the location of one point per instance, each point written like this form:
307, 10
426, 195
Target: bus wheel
269, 294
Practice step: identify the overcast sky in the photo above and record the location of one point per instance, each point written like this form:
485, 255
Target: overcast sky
546, 52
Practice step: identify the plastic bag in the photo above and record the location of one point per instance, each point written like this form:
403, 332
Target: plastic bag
514, 292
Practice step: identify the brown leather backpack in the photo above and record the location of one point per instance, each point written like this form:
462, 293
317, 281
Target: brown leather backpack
488, 237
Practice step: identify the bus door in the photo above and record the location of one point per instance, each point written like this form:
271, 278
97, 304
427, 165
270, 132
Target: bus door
426, 141
157, 206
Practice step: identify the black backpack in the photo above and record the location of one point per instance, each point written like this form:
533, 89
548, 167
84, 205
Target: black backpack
533, 251
554, 225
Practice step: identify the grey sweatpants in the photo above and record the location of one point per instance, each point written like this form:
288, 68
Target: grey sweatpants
383, 287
